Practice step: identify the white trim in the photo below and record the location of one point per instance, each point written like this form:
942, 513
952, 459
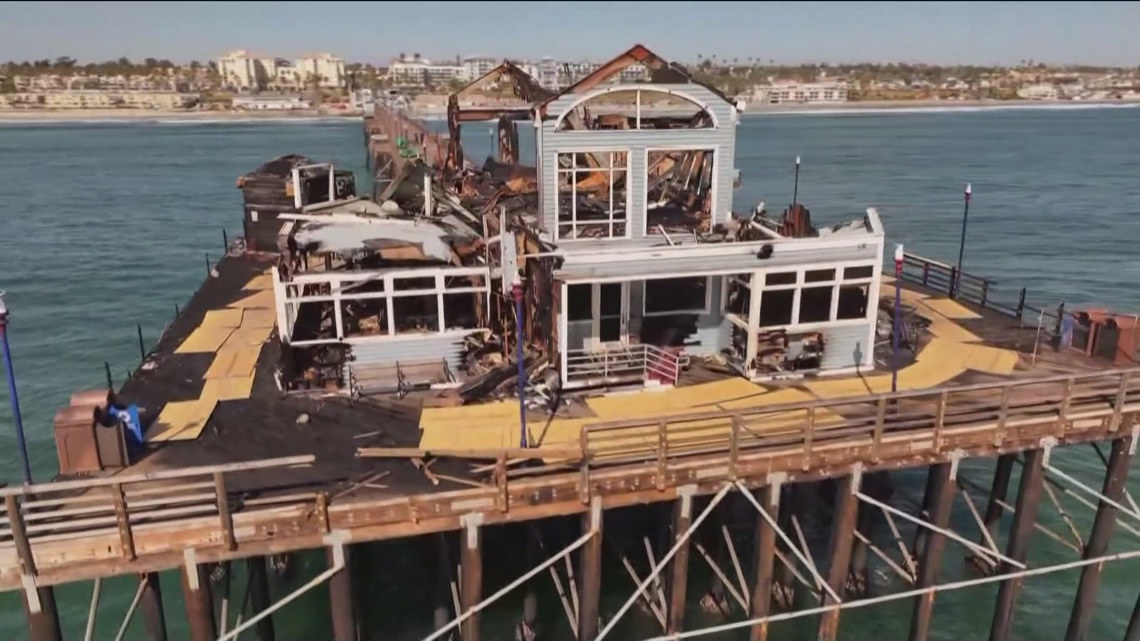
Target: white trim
704, 310
713, 187
575, 171
563, 326
639, 87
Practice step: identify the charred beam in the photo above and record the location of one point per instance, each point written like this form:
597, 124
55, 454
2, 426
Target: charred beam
842, 537
471, 575
1115, 480
341, 605
41, 615
1028, 499
679, 570
590, 567
769, 497
259, 597
199, 603
154, 618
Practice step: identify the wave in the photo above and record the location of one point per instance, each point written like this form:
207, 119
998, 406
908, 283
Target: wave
933, 109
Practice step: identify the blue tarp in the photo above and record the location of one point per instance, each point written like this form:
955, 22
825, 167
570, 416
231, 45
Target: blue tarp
129, 417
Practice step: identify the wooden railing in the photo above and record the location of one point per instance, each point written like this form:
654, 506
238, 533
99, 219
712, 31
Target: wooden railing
62, 528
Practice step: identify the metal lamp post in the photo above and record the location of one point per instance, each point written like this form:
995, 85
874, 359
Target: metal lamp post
896, 326
520, 336
962, 242
796, 185
12, 397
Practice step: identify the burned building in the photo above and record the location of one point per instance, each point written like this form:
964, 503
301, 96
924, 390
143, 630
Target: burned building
622, 243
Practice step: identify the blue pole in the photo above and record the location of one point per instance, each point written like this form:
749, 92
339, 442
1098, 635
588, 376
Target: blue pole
897, 324
520, 336
12, 397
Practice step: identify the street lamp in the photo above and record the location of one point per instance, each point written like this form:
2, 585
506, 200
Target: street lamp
12, 397
895, 329
520, 335
962, 242
796, 186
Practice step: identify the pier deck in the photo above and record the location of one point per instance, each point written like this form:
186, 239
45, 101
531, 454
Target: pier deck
226, 509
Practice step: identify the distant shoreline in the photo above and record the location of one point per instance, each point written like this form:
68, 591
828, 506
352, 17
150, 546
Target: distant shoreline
31, 116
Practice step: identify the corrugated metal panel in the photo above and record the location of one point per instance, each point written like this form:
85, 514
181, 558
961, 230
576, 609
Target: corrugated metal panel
845, 346
678, 261
426, 349
723, 138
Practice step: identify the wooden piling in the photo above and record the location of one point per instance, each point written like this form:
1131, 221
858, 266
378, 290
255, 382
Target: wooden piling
259, 597
765, 557
590, 568
154, 618
199, 603
998, 493
791, 501
1115, 480
940, 493
1133, 632
471, 576
1028, 499
856, 585
341, 602
43, 623
842, 537
679, 568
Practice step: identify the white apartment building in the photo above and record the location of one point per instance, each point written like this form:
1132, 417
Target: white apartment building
98, 99
475, 67
244, 72
416, 70
801, 93
1039, 92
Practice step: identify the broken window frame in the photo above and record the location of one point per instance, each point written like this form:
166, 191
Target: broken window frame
712, 192
638, 89
574, 170
289, 298
838, 281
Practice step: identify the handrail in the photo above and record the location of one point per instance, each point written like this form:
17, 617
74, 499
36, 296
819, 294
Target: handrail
915, 423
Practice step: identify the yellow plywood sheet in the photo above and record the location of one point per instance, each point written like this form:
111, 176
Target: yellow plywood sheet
181, 420
260, 282
258, 319
230, 318
948, 329
257, 300
204, 340
990, 359
247, 337
695, 398
233, 362
950, 308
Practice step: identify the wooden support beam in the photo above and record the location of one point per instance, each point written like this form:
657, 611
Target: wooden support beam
769, 497
224, 517
42, 615
940, 492
259, 597
1028, 499
341, 603
1133, 631
679, 570
590, 567
856, 585
842, 537
154, 618
1115, 480
998, 493
529, 453
199, 603
785, 579
471, 574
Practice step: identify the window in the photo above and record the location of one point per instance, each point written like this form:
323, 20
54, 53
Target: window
862, 271
776, 307
780, 278
580, 302
592, 194
641, 108
852, 302
815, 304
820, 291
677, 296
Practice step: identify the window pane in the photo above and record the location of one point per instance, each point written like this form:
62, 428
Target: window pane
459, 311
676, 295
852, 302
863, 271
815, 304
776, 307
416, 314
781, 278
579, 302
819, 275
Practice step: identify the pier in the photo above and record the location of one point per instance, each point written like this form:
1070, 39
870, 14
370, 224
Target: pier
645, 477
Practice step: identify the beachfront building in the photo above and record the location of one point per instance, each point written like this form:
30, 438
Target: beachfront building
477, 67
98, 99
1039, 92
420, 72
241, 71
270, 103
801, 93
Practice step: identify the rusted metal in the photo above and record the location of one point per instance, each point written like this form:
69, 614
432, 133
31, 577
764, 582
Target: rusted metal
1028, 499
1115, 480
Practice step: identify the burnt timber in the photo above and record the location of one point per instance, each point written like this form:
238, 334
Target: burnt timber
283, 471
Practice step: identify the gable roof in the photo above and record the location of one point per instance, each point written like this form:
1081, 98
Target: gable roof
660, 72
526, 88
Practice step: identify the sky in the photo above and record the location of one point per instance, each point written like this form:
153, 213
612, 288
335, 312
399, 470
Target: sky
1101, 33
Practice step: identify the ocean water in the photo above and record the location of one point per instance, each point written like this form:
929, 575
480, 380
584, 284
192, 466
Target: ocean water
105, 226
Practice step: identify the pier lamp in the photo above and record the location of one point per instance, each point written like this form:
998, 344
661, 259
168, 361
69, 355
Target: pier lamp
896, 326
12, 397
962, 242
520, 336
